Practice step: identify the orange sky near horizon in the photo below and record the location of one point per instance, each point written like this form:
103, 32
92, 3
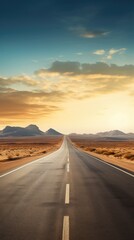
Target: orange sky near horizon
72, 101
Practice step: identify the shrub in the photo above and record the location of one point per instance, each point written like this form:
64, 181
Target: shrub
118, 154
92, 149
10, 157
82, 146
17, 154
100, 151
129, 156
44, 151
109, 153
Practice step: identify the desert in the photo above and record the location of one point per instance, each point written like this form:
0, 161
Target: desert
15, 152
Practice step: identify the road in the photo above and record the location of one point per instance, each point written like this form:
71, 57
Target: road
67, 195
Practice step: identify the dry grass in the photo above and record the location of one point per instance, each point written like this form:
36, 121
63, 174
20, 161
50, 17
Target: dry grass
19, 149
13, 151
129, 156
118, 149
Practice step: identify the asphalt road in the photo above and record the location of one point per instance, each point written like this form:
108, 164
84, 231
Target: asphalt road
67, 195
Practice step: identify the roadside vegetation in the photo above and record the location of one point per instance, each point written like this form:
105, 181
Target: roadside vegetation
16, 151
119, 153
113, 149
116, 152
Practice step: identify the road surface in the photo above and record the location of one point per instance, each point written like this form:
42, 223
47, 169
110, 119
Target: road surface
67, 195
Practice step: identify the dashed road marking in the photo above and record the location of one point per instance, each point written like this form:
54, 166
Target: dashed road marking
67, 194
65, 232
68, 168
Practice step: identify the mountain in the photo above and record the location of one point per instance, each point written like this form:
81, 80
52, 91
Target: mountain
9, 129
34, 129
52, 131
31, 130
131, 135
113, 135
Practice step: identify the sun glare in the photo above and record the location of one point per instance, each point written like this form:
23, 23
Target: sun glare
119, 121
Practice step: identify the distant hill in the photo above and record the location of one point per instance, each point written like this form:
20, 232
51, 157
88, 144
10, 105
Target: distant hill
52, 131
114, 133
29, 131
109, 135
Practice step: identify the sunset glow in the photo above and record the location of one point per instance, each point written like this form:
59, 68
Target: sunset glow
67, 68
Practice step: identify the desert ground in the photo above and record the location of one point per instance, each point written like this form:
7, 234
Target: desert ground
15, 152
120, 153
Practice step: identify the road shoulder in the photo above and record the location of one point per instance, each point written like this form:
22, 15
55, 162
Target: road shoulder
125, 164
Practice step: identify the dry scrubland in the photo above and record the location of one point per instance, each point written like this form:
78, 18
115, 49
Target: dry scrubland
17, 151
117, 152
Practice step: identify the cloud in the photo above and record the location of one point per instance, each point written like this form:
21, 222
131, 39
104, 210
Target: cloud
94, 34
99, 52
17, 104
62, 82
21, 79
86, 80
59, 68
87, 33
113, 51
109, 53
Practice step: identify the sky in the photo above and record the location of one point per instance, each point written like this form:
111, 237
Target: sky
67, 64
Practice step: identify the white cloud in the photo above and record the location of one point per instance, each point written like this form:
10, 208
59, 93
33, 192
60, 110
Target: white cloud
109, 53
99, 52
93, 34
87, 33
60, 83
113, 51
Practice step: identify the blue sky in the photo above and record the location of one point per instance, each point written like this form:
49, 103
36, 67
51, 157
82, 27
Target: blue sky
35, 33
61, 61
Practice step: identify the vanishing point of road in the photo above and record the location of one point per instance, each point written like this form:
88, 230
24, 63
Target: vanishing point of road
67, 195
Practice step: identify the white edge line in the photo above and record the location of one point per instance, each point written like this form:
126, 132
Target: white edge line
67, 194
65, 231
16, 169
112, 166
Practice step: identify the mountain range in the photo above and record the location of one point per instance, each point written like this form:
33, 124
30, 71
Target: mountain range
114, 134
33, 130
29, 131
